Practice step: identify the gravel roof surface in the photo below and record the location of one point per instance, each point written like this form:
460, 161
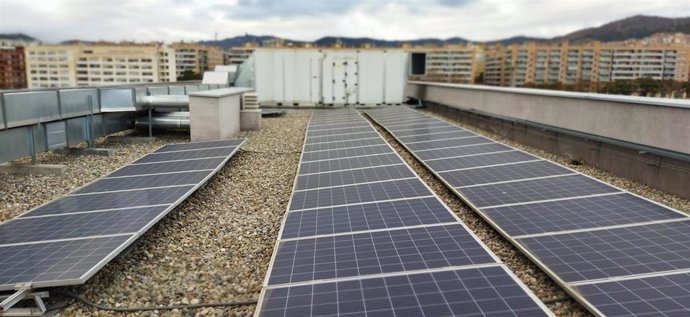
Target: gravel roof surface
216, 246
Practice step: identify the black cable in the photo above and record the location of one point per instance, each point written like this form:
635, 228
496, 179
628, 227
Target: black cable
86, 302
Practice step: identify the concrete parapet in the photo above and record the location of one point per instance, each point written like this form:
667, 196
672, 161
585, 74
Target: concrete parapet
250, 119
35, 169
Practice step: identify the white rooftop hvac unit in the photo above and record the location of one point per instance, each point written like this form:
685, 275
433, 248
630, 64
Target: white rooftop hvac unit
329, 77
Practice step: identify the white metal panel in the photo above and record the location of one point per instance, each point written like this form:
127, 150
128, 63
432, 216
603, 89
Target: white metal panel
263, 68
315, 71
327, 77
290, 76
278, 76
370, 87
395, 76
216, 78
351, 79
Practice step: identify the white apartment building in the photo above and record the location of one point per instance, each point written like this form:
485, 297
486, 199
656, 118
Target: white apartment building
96, 65
458, 64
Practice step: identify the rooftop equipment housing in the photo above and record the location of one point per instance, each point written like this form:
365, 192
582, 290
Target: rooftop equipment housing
316, 77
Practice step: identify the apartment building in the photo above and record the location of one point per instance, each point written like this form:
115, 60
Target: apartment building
98, 64
456, 64
518, 65
196, 58
237, 55
12, 65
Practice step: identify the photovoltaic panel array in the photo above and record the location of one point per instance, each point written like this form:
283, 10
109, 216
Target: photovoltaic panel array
364, 235
67, 240
619, 253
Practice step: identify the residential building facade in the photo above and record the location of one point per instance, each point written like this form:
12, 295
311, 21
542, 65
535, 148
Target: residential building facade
455, 64
237, 55
519, 65
196, 58
98, 64
12, 66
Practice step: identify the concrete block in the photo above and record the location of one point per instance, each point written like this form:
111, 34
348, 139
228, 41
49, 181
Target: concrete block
38, 169
131, 139
84, 151
250, 119
215, 114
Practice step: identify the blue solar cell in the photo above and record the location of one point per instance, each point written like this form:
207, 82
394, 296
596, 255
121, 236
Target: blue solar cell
667, 295
410, 212
535, 190
23, 230
479, 160
615, 252
348, 177
72, 261
461, 151
356, 194
495, 174
200, 145
431, 145
146, 181
343, 144
485, 292
102, 201
169, 167
376, 252
344, 153
580, 213
349, 163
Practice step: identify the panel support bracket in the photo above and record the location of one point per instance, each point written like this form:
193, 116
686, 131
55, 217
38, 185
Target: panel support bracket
23, 292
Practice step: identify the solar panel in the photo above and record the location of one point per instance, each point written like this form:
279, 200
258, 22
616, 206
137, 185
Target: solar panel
431, 145
578, 213
112, 200
314, 128
199, 145
535, 190
667, 295
339, 131
371, 216
489, 291
354, 176
614, 252
169, 167
436, 136
343, 153
502, 173
413, 127
359, 213
341, 137
349, 163
479, 160
57, 263
130, 220
473, 149
66, 241
146, 181
425, 130
186, 155
343, 144
581, 230
357, 194
375, 253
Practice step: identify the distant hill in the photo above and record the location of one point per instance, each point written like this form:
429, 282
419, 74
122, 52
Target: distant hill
635, 27
17, 37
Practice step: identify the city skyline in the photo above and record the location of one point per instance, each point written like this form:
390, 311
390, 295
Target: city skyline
196, 20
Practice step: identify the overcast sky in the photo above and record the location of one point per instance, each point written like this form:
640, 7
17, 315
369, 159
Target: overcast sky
173, 20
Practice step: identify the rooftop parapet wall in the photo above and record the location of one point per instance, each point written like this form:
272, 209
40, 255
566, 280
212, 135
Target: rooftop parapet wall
653, 122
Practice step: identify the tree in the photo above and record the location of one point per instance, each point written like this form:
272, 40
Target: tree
188, 75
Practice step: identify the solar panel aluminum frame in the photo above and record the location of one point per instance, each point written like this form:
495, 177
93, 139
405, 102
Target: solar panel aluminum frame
498, 262
570, 289
135, 235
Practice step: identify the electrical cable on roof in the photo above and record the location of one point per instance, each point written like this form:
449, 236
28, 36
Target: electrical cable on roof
86, 302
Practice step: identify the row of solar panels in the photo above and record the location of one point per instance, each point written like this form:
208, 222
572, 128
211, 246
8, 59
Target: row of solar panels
618, 253
364, 235
66, 241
